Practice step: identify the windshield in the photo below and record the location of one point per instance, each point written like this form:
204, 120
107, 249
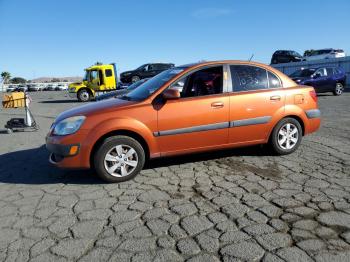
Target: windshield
152, 85
303, 73
86, 76
139, 68
296, 54
136, 84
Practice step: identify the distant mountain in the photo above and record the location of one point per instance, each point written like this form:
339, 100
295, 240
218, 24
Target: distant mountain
62, 79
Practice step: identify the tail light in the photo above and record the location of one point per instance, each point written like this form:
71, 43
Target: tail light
313, 95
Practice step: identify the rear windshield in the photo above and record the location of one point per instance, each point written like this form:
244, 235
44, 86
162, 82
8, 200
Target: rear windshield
149, 87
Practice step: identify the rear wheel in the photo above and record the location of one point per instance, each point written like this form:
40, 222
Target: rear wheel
286, 136
119, 158
339, 88
84, 95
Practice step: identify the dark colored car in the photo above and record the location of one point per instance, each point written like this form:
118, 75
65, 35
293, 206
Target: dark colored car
323, 79
144, 71
285, 56
121, 92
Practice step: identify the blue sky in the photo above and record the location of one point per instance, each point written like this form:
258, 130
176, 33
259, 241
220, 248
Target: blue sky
61, 38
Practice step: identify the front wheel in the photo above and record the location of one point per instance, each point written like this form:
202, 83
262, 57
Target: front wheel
339, 88
83, 95
119, 158
135, 79
286, 136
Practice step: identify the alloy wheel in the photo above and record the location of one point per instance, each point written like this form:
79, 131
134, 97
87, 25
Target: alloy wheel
288, 136
339, 89
121, 161
84, 95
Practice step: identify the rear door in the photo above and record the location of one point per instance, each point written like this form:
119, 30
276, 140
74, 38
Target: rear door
257, 96
199, 119
331, 80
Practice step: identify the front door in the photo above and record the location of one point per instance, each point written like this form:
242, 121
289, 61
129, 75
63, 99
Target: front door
320, 80
257, 96
94, 80
199, 119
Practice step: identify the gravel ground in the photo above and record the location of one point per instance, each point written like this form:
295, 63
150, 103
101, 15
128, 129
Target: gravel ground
235, 205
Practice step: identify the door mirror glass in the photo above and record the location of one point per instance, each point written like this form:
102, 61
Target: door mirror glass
171, 94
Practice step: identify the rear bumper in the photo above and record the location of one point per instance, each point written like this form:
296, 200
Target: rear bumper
313, 113
313, 122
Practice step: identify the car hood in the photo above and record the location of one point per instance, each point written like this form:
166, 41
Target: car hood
95, 107
126, 72
299, 79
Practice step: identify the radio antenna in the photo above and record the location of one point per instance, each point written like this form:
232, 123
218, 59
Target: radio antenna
250, 59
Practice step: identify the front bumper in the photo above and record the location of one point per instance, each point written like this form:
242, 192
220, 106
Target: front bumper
61, 152
125, 79
72, 94
68, 152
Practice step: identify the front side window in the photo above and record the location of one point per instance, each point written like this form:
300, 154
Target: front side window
248, 78
321, 72
93, 75
208, 81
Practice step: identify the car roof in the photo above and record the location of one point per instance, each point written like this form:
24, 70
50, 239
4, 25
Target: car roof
287, 82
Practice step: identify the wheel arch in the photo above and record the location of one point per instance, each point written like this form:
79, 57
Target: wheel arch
85, 88
123, 132
296, 117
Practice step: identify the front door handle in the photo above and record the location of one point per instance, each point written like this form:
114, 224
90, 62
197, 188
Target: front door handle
275, 98
217, 104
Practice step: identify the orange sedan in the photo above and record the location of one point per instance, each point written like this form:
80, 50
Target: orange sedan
186, 109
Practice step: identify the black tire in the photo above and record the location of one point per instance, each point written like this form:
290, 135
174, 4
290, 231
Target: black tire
84, 95
108, 146
135, 79
338, 90
276, 138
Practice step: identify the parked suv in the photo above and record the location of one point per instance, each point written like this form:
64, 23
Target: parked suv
144, 71
324, 54
323, 79
285, 56
183, 110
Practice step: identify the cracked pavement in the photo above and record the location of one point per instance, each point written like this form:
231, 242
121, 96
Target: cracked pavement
233, 205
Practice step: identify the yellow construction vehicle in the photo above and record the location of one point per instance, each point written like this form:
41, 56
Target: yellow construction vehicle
98, 78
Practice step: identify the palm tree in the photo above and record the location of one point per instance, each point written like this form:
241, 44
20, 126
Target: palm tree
5, 76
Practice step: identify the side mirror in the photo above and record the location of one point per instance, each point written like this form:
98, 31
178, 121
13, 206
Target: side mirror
171, 94
317, 75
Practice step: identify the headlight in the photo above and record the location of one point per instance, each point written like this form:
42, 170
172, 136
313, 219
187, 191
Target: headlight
68, 126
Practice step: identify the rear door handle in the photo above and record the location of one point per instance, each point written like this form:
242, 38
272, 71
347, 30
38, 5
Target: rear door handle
217, 104
275, 98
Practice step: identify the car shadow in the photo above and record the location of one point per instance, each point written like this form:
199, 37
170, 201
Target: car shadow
206, 156
31, 166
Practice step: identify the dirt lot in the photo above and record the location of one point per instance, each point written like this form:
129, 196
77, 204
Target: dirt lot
234, 205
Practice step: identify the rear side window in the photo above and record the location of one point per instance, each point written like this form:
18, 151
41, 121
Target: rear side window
329, 71
247, 78
108, 72
274, 81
